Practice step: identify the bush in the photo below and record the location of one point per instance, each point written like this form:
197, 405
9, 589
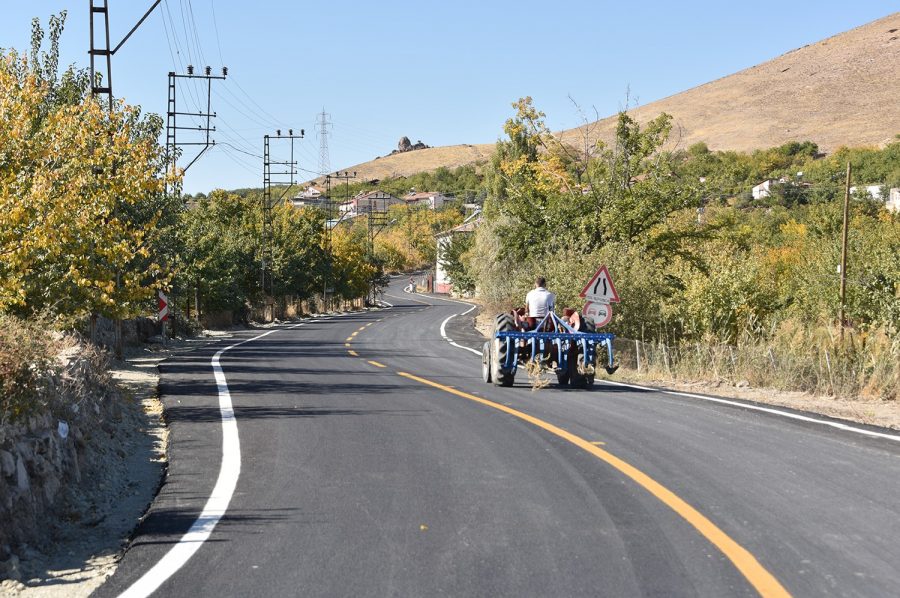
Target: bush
42, 371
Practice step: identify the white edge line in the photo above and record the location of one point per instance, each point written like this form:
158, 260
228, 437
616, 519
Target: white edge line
448, 339
218, 501
216, 505
787, 414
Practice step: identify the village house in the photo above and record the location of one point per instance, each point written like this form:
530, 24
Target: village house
764, 189
429, 199
893, 202
874, 191
309, 197
441, 278
372, 201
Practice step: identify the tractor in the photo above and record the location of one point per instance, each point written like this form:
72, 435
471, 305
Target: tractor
567, 345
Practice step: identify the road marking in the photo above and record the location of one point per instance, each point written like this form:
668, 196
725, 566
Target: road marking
376, 364
347, 344
217, 503
361, 328
769, 410
450, 340
598, 443
409, 299
353, 353
349, 338
763, 581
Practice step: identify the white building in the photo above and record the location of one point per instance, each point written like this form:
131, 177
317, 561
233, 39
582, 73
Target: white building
373, 201
764, 189
873, 190
430, 199
893, 202
443, 240
309, 197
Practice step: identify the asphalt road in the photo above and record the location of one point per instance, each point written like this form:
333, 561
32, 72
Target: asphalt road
379, 464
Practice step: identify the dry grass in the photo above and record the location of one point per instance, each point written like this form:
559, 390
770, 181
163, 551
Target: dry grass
864, 366
840, 91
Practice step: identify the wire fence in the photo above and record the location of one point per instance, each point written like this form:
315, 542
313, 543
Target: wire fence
851, 370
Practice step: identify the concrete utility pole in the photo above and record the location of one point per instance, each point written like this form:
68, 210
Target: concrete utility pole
271, 180
172, 113
843, 293
101, 7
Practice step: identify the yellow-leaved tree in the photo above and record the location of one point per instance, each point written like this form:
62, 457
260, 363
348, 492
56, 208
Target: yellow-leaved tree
81, 194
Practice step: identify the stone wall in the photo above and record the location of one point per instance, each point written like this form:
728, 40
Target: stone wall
43, 456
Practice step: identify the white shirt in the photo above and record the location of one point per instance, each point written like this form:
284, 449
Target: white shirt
539, 302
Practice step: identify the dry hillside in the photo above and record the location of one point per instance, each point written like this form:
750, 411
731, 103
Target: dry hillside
844, 90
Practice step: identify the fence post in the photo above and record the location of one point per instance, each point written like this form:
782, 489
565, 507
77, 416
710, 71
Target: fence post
637, 350
666, 358
830, 376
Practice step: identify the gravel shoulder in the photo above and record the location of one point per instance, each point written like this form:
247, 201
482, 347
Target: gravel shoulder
96, 520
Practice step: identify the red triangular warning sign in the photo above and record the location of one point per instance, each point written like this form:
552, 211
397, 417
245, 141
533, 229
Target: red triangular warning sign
600, 289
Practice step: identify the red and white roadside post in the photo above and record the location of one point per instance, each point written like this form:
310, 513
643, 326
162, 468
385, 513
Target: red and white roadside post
163, 313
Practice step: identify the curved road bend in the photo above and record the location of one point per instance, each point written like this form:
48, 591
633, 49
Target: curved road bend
358, 481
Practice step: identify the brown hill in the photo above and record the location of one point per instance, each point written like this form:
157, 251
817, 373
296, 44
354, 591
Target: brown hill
844, 90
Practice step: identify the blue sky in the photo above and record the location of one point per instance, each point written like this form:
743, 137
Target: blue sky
441, 72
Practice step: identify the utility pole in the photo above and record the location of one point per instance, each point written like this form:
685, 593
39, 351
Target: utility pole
274, 179
845, 233
172, 113
323, 123
101, 7
97, 8
331, 222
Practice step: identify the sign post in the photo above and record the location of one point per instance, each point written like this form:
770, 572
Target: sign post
163, 313
598, 293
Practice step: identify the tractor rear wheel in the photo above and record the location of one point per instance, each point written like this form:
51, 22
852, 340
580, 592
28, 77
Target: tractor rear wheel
500, 375
581, 374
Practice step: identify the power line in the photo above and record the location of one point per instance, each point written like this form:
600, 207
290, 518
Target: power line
212, 6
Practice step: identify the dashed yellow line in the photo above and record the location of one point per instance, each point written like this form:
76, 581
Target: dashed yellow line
352, 334
349, 338
353, 353
598, 443
346, 344
361, 328
757, 575
376, 364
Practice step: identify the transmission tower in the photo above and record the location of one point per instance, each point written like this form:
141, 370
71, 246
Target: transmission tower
323, 123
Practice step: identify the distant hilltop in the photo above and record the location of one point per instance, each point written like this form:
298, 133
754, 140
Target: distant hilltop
841, 91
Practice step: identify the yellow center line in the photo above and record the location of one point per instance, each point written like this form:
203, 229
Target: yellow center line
369, 324
349, 338
598, 443
361, 328
760, 578
378, 365
352, 334
346, 344
353, 353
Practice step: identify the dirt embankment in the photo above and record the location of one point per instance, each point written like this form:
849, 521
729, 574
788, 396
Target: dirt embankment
78, 475
840, 91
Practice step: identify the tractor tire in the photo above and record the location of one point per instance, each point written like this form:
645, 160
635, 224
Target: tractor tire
562, 377
486, 362
576, 358
501, 376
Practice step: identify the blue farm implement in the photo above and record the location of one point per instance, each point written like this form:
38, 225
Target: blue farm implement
571, 347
